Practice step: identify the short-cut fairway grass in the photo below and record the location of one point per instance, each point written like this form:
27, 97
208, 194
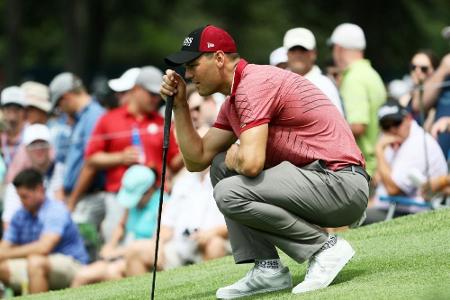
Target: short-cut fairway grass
407, 258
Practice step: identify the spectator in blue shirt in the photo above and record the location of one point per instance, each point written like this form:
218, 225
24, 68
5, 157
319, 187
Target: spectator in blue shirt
69, 95
42, 248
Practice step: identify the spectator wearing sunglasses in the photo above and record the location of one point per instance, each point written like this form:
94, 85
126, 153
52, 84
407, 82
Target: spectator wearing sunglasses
422, 66
437, 94
402, 156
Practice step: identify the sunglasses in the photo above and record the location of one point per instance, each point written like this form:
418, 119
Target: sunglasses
424, 69
386, 125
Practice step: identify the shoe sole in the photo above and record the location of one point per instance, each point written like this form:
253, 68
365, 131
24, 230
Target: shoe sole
344, 261
256, 292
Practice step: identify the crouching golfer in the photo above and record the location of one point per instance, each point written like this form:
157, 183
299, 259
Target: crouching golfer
296, 168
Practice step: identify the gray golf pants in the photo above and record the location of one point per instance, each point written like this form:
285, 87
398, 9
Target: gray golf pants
285, 207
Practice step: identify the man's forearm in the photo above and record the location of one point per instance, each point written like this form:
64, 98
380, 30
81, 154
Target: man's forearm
24, 251
385, 173
431, 89
83, 183
189, 140
103, 160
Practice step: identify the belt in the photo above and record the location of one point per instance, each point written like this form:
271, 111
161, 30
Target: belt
357, 169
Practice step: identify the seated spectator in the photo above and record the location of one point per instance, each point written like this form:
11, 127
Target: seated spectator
37, 144
41, 248
37, 101
278, 58
192, 229
13, 110
401, 154
140, 195
128, 135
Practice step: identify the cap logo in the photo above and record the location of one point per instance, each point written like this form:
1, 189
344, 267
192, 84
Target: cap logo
210, 45
188, 41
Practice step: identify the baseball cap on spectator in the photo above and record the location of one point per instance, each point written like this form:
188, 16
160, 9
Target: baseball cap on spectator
278, 56
125, 82
61, 84
36, 132
202, 40
135, 183
349, 36
299, 37
13, 95
36, 95
150, 78
391, 113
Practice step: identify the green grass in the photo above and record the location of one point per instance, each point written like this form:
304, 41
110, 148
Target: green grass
407, 258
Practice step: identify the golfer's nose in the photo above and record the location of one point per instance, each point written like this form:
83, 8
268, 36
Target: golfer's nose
188, 74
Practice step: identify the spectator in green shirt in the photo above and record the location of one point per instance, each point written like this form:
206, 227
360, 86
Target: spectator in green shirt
362, 89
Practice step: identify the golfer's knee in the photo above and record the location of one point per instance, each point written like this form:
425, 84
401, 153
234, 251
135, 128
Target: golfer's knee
225, 196
218, 168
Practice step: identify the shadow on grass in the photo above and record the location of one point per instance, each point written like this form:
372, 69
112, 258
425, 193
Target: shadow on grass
347, 275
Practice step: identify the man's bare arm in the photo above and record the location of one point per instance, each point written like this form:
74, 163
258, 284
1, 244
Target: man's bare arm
43, 246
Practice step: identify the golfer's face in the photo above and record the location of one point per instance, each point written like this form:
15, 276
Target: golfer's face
203, 73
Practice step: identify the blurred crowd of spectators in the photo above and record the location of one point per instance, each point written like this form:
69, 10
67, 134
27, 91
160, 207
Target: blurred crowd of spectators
80, 181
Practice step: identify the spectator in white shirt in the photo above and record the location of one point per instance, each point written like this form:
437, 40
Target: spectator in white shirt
192, 229
300, 44
37, 143
405, 159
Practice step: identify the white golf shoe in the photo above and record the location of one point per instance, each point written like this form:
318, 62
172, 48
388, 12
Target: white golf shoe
257, 281
324, 266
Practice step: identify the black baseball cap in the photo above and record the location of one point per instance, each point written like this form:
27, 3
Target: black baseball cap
391, 112
202, 40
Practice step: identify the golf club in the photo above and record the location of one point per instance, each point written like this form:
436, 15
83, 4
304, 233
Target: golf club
167, 124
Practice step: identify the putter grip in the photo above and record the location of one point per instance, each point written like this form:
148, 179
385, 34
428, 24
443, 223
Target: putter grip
167, 121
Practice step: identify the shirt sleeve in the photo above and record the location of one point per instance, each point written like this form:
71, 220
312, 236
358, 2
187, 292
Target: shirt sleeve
11, 203
222, 119
96, 141
12, 233
256, 102
55, 222
356, 101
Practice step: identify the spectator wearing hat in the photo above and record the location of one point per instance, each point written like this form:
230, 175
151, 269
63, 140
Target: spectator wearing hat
192, 229
402, 160
136, 121
300, 44
42, 245
123, 84
13, 109
140, 195
278, 58
361, 88
37, 106
69, 95
38, 149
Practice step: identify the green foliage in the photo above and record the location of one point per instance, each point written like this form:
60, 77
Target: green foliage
107, 36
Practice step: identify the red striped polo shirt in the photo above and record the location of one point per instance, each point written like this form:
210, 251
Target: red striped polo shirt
304, 125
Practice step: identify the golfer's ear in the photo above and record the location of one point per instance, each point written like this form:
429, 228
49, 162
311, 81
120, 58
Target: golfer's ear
220, 58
